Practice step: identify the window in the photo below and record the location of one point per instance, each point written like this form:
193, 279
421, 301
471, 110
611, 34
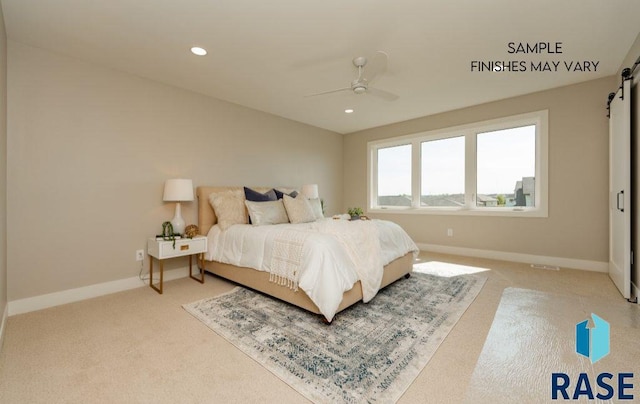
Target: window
496, 167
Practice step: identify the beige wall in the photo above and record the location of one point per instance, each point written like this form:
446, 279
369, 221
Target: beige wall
577, 226
3, 169
90, 149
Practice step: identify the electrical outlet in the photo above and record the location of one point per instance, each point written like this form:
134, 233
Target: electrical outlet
450, 232
139, 255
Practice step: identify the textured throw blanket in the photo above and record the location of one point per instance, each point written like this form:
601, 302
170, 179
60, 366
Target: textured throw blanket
286, 257
359, 238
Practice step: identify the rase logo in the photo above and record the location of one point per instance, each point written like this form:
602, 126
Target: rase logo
593, 343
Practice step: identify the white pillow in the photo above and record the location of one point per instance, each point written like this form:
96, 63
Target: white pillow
229, 208
316, 207
268, 212
298, 209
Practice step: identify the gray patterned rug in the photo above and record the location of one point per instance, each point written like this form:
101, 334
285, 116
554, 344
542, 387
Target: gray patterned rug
370, 353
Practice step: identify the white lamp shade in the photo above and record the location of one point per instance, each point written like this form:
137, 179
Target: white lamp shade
178, 190
310, 191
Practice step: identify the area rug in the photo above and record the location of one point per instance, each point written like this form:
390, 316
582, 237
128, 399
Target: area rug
369, 353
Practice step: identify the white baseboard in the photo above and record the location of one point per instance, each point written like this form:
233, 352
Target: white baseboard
86, 292
3, 323
585, 265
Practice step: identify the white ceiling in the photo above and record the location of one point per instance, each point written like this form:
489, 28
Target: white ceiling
268, 55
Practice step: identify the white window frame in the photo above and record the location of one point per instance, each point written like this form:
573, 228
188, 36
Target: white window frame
470, 131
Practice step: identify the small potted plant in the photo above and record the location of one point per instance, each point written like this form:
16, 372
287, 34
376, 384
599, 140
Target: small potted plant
355, 213
168, 234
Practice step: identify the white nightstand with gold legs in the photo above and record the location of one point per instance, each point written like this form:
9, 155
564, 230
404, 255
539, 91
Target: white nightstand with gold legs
162, 250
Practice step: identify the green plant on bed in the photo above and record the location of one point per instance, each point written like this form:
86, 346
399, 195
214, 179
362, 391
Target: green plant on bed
355, 213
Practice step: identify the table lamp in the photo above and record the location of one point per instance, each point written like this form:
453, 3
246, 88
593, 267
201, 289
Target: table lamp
309, 191
178, 190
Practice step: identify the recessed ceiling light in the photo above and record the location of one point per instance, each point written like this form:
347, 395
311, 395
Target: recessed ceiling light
196, 50
348, 111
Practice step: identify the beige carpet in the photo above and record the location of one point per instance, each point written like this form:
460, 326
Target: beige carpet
533, 336
141, 347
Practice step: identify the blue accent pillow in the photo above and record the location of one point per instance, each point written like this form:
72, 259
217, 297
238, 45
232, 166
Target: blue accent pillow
280, 195
255, 196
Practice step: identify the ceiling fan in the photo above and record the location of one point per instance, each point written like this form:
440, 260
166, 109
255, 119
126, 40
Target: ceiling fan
362, 84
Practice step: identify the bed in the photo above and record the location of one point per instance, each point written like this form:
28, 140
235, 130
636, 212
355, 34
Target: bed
262, 281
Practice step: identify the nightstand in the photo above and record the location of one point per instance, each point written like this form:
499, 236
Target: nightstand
162, 250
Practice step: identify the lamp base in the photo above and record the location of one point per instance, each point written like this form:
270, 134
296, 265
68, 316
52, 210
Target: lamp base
178, 222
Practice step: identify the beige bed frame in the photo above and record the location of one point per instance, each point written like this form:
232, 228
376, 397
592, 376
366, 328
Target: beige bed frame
259, 280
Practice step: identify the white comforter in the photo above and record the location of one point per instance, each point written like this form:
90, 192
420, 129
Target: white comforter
330, 262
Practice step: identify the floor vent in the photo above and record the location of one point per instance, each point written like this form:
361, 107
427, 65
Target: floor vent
548, 267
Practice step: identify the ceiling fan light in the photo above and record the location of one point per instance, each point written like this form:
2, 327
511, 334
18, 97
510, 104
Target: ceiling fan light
359, 89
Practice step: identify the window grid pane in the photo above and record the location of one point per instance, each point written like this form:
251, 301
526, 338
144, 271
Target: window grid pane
442, 172
506, 166
394, 176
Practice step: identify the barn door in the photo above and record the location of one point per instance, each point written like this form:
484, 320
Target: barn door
620, 189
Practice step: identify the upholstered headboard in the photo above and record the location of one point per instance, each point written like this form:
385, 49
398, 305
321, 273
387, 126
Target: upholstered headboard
206, 215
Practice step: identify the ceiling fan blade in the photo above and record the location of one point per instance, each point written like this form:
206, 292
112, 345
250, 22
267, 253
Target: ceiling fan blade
385, 95
328, 92
377, 66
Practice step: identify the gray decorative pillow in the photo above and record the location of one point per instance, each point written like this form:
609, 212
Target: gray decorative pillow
271, 212
316, 207
229, 208
298, 209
